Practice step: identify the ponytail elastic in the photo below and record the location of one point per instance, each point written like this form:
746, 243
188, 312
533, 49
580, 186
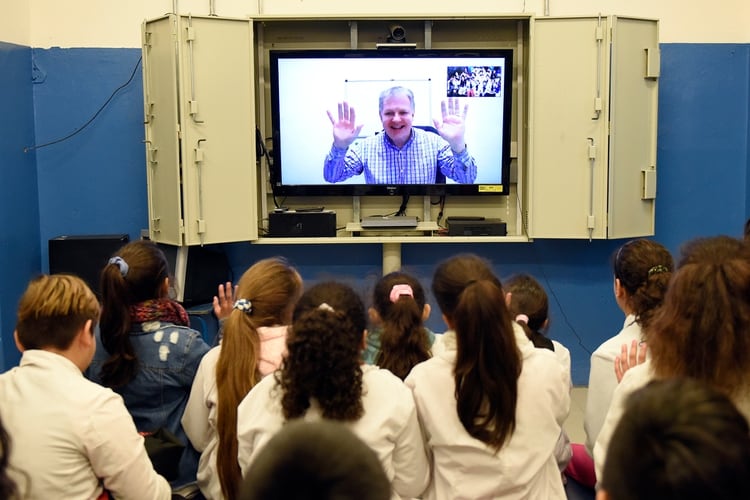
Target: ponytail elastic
120, 262
401, 290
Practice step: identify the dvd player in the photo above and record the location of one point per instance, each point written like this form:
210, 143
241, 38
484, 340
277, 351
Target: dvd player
388, 221
476, 227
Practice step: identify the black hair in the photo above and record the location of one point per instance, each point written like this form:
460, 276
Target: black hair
323, 354
488, 362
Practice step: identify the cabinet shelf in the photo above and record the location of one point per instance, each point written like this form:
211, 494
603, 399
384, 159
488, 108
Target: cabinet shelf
391, 239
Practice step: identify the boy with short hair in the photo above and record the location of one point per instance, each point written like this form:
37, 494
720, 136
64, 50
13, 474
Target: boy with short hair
73, 438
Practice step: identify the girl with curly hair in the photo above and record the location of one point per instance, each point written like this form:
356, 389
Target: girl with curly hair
323, 377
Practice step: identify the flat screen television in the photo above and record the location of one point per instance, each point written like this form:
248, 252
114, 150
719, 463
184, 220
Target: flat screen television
307, 85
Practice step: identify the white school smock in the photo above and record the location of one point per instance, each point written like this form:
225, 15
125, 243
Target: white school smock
389, 426
72, 437
466, 468
199, 420
635, 378
602, 379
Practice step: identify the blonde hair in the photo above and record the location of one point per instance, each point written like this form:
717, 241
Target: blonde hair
53, 309
272, 287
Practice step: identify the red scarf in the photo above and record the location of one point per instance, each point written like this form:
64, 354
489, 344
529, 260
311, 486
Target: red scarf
166, 310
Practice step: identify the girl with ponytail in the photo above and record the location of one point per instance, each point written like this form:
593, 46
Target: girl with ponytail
400, 339
491, 404
641, 270
323, 377
253, 343
146, 350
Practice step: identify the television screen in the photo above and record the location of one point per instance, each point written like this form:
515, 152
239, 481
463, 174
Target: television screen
359, 122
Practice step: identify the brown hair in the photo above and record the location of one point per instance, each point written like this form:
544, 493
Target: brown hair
644, 268
529, 298
272, 286
403, 341
488, 362
52, 311
324, 355
137, 276
703, 328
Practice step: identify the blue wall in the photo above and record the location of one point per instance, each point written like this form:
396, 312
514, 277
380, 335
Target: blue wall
95, 183
19, 203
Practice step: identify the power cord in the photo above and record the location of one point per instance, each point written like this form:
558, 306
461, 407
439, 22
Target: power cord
77, 131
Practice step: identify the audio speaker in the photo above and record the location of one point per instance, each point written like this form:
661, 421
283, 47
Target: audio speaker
85, 256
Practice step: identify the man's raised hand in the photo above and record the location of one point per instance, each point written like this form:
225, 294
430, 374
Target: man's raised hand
453, 124
345, 128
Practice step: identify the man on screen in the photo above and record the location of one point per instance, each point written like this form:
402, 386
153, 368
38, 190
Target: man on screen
402, 154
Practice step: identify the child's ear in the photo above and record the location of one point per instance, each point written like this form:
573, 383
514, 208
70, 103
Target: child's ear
86, 334
164, 289
448, 322
545, 324
374, 316
363, 345
19, 346
426, 310
619, 289
508, 299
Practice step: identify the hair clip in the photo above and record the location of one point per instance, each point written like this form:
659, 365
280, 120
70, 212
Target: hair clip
120, 262
244, 305
658, 269
326, 307
401, 290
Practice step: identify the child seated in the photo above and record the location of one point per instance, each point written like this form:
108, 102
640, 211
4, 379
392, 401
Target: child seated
72, 438
399, 340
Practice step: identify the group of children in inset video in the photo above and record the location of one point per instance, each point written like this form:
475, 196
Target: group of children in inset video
301, 399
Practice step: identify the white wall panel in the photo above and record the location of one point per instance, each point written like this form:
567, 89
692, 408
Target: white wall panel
14, 22
116, 23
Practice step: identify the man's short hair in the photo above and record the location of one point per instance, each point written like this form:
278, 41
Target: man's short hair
678, 439
394, 91
53, 309
316, 460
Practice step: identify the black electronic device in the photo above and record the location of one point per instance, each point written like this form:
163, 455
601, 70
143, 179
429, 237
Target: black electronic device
195, 272
84, 256
302, 224
477, 80
476, 227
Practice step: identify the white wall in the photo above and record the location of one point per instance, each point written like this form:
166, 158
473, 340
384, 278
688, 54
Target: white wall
116, 23
14, 22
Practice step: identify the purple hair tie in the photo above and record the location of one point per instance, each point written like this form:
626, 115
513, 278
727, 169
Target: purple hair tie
120, 262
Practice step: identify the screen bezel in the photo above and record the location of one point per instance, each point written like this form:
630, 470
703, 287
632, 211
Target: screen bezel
276, 166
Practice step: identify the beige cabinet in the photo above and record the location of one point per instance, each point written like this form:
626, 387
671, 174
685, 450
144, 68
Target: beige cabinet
198, 79
593, 118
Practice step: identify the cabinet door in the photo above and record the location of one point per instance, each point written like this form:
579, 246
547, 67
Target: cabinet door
632, 152
217, 112
162, 131
568, 109
593, 108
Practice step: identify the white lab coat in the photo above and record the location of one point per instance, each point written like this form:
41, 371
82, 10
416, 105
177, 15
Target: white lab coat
466, 468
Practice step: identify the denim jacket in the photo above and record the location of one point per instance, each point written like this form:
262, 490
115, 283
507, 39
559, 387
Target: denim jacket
168, 358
